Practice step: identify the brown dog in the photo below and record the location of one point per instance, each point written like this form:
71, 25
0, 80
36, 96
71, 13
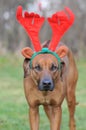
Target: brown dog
45, 76
50, 75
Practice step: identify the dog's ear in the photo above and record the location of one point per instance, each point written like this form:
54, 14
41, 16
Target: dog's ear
26, 67
63, 68
27, 52
62, 51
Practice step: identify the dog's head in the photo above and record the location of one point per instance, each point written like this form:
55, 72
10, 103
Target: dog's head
44, 69
45, 63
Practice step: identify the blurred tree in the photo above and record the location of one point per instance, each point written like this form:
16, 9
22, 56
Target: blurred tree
10, 30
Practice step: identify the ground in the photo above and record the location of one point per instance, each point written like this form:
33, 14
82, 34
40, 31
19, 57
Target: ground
13, 105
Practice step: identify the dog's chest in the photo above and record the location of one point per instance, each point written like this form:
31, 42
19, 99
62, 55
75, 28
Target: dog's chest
45, 101
50, 100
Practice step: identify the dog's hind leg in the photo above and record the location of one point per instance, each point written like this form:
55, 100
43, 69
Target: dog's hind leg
54, 115
48, 111
71, 101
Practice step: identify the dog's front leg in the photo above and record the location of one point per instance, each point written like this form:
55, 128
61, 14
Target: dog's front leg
34, 118
56, 118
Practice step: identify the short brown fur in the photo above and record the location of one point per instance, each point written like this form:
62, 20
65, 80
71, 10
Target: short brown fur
64, 87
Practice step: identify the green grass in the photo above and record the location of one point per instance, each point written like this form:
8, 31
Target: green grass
13, 105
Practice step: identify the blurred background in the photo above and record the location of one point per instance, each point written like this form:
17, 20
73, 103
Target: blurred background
13, 105
13, 37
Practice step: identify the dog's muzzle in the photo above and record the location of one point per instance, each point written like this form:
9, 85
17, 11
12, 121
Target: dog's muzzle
46, 84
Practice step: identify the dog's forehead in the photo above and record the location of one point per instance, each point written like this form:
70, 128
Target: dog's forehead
45, 59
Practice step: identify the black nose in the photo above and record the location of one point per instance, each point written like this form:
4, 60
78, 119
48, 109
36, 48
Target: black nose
46, 85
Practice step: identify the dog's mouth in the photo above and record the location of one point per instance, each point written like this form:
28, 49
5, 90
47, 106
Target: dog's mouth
45, 89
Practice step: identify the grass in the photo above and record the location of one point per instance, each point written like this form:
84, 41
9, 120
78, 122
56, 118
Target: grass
13, 105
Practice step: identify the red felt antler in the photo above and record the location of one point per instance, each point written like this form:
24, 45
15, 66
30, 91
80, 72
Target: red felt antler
60, 23
32, 23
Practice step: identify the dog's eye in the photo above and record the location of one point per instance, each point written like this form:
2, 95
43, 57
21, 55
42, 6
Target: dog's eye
38, 68
54, 67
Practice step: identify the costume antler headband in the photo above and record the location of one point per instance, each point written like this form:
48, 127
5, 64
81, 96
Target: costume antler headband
32, 23
60, 22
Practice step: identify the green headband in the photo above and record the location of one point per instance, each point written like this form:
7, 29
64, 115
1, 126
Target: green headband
43, 51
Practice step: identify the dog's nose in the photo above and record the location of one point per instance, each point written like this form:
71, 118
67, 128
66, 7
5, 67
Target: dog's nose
46, 85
